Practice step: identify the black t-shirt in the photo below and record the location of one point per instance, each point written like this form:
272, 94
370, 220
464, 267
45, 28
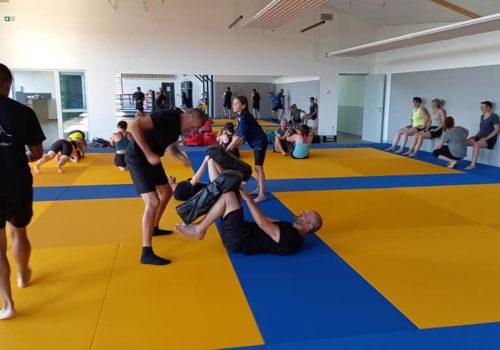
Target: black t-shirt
227, 98
313, 108
166, 130
281, 98
139, 96
160, 100
19, 127
256, 100
260, 242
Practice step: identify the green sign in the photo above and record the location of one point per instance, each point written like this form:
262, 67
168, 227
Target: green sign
9, 18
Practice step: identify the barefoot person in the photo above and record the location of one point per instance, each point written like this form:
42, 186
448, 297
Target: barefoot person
120, 141
452, 147
152, 135
62, 150
264, 235
418, 121
19, 127
489, 126
255, 137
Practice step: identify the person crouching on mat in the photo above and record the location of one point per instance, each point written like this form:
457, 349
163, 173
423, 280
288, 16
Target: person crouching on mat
63, 151
120, 141
263, 235
78, 136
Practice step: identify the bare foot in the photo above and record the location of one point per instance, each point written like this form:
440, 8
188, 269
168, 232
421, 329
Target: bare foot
471, 166
256, 191
412, 154
193, 231
390, 149
399, 151
36, 168
452, 164
283, 153
260, 198
24, 280
59, 170
7, 312
407, 153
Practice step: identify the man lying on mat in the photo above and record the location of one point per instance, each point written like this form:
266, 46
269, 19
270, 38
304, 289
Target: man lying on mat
262, 236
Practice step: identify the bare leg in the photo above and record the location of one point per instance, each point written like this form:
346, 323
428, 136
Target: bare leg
406, 134
227, 203
278, 146
8, 310
476, 150
420, 141
43, 160
261, 177
413, 145
164, 194
151, 205
451, 162
214, 169
61, 163
396, 139
21, 249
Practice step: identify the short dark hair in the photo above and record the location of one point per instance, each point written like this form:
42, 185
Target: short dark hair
122, 124
449, 122
197, 113
138, 87
312, 98
417, 99
229, 127
5, 74
487, 103
228, 88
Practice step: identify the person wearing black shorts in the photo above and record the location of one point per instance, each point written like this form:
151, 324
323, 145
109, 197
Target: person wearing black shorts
62, 150
256, 104
263, 235
19, 127
120, 140
250, 129
152, 135
227, 97
139, 97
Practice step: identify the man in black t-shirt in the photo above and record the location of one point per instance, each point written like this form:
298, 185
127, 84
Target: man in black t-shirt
262, 236
138, 97
19, 127
313, 115
256, 104
152, 135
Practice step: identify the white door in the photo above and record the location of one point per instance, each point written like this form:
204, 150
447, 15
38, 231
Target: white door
373, 111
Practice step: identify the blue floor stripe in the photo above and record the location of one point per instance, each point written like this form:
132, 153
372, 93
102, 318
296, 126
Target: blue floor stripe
83, 192
483, 336
313, 294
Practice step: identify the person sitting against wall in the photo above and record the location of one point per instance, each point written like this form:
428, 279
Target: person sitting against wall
295, 117
486, 137
62, 150
419, 119
225, 137
453, 145
120, 141
301, 140
433, 131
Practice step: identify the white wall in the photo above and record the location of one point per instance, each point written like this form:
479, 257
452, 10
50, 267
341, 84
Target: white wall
38, 81
188, 36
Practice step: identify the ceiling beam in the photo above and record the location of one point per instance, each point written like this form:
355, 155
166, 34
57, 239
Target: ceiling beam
456, 8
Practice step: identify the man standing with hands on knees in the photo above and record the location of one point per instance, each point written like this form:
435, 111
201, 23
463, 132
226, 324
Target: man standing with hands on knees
152, 135
19, 127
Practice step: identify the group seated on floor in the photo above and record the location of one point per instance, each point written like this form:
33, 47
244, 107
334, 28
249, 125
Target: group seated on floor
295, 142
453, 144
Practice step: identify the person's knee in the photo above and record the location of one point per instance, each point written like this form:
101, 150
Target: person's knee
152, 202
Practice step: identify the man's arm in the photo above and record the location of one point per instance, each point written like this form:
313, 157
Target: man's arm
265, 224
174, 150
35, 152
137, 129
493, 133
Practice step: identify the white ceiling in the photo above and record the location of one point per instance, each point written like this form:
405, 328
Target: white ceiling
397, 12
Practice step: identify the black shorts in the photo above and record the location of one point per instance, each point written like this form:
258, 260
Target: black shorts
145, 176
120, 160
227, 105
16, 208
259, 154
413, 127
444, 151
275, 109
434, 133
63, 146
257, 107
490, 142
234, 230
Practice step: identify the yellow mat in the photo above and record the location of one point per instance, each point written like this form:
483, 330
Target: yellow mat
425, 252
343, 163
61, 307
195, 303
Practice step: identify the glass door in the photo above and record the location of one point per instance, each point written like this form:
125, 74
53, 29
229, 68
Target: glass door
73, 102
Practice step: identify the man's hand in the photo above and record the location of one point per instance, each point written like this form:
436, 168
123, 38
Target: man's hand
153, 159
245, 195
